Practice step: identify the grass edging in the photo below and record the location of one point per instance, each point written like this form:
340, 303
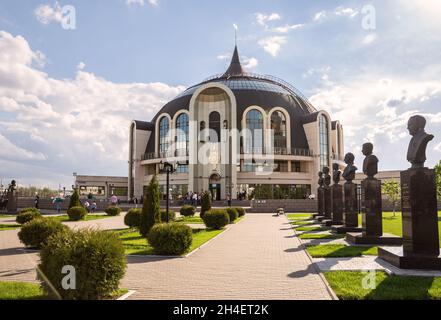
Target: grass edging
126, 295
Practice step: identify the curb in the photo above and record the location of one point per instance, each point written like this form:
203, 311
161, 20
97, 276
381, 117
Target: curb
319, 272
125, 296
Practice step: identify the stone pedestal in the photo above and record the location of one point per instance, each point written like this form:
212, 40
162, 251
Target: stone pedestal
350, 216
12, 202
372, 224
420, 248
327, 202
337, 204
321, 201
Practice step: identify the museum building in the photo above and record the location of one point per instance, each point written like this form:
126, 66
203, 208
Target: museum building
261, 133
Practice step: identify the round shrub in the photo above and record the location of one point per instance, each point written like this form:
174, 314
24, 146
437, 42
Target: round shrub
35, 233
188, 211
170, 238
216, 218
97, 256
171, 215
113, 211
233, 214
240, 211
27, 214
76, 213
133, 218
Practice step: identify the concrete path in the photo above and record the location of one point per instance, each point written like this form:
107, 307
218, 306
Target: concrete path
258, 258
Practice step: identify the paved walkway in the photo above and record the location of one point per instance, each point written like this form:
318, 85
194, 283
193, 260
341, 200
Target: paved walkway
258, 258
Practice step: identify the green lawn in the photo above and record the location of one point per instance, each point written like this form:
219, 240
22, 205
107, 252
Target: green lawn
192, 220
296, 216
302, 223
137, 245
312, 229
6, 216
348, 286
9, 226
88, 217
340, 250
20, 291
321, 236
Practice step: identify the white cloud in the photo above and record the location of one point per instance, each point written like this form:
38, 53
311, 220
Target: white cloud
370, 38
319, 16
81, 65
338, 12
348, 12
273, 44
263, 19
83, 118
47, 14
142, 2
437, 147
287, 28
247, 62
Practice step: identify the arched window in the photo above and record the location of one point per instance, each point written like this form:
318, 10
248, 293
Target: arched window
182, 135
324, 141
214, 126
278, 125
164, 127
254, 139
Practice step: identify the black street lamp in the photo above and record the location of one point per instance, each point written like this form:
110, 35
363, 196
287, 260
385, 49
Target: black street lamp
167, 168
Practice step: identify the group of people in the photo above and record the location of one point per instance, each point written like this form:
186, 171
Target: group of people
193, 198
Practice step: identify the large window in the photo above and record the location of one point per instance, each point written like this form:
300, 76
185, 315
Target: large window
278, 125
119, 191
324, 141
94, 190
214, 125
182, 135
254, 137
164, 127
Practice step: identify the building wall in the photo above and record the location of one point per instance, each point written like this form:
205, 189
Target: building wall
105, 183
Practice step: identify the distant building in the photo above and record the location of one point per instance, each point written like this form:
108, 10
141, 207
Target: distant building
393, 175
102, 187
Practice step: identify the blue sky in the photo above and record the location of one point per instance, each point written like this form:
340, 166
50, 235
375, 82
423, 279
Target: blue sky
67, 96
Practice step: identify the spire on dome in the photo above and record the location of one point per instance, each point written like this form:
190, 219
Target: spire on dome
235, 69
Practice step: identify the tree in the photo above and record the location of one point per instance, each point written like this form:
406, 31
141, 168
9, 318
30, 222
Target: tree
75, 199
205, 203
392, 190
438, 179
151, 210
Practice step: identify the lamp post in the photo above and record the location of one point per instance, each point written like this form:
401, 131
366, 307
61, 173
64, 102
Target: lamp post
167, 168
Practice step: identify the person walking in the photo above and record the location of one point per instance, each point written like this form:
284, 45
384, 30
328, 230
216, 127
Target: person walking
93, 207
87, 206
37, 201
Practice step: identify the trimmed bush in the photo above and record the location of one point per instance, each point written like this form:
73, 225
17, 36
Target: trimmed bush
205, 203
75, 199
35, 233
27, 214
151, 211
97, 256
171, 215
188, 211
76, 213
216, 218
113, 211
170, 238
233, 214
240, 211
133, 218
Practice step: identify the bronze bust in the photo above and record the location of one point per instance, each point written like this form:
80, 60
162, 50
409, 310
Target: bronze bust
370, 163
416, 153
336, 173
320, 180
327, 178
349, 172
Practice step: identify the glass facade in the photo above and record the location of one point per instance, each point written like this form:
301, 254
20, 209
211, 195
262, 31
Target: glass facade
274, 191
324, 141
214, 125
254, 138
280, 166
278, 125
182, 168
94, 190
182, 136
164, 127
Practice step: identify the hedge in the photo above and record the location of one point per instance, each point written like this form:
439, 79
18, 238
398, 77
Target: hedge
240, 211
113, 211
170, 238
232, 213
133, 218
216, 218
27, 214
76, 213
35, 233
187, 211
171, 215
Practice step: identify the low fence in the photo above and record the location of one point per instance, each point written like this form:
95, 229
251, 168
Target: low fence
290, 205
46, 204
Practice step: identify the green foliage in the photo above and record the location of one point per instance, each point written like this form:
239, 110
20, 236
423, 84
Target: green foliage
216, 218
133, 218
188, 211
170, 238
97, 256
205, 203
151, 212
393, 192
27, 214
35, 233
75, 199
76, 213
113, 211
438, 179
240, 211
233, 214
171, 215
268, 191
